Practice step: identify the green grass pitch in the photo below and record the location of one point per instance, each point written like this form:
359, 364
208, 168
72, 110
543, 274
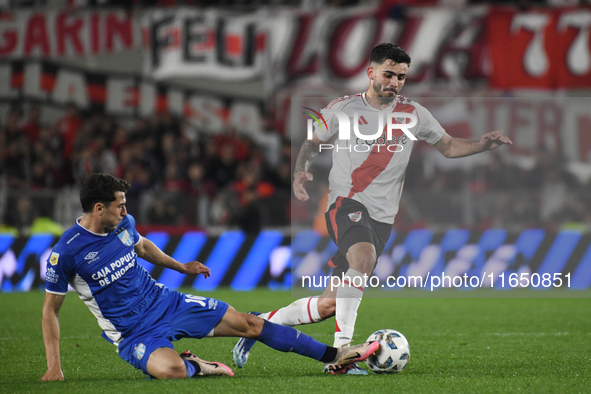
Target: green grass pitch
470, 345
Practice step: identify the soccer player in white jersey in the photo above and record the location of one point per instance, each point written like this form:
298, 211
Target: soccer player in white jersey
365, 185
98, 257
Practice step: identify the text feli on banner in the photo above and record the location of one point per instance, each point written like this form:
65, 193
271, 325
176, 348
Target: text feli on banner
188, 43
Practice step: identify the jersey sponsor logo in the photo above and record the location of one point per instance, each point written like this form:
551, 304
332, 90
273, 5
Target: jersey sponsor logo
125, 238
54, 258
355, 216
139, 351
51, 276
399, 140
118, 268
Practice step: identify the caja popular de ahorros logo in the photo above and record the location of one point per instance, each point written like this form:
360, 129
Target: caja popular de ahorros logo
384, 137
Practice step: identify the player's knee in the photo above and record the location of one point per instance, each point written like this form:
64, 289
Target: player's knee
253, 327
176, 372
171, 370
364, 263
362, 257
326, 307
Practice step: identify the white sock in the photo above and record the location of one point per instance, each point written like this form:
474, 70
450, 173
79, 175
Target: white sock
349, 295
302, 311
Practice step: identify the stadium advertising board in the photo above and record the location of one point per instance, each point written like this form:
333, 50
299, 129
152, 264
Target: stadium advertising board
420, 259
458, 259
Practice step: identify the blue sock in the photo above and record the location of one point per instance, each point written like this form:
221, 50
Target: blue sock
288, 339
190, 368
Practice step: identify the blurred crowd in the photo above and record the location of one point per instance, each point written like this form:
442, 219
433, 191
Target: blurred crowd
173, 168
183, 176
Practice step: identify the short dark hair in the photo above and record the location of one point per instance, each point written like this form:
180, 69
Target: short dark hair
101, 188
382, 52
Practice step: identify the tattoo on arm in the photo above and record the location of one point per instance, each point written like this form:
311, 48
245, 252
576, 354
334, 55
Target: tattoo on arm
306, 157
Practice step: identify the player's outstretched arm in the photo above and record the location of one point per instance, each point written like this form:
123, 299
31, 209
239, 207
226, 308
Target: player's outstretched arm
306, 157
51, 336
457, 147
152, 253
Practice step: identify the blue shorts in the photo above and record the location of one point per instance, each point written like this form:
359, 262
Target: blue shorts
179, 316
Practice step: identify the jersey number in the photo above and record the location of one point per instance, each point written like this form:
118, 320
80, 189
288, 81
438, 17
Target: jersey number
194, 298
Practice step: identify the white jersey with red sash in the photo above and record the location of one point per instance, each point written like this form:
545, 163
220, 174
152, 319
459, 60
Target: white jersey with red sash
372, 171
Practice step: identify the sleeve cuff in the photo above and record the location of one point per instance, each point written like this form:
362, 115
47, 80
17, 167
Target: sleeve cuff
56, 292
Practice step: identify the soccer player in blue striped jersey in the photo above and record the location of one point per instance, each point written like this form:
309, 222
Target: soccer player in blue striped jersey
98, 258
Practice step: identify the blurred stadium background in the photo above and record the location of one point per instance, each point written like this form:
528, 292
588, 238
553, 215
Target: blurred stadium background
191, 102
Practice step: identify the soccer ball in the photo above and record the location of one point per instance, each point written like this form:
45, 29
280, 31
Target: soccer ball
393, 354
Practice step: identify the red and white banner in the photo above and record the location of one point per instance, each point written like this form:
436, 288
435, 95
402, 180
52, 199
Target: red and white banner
60, 34
124, 95
458, 48
544, 48
190, 42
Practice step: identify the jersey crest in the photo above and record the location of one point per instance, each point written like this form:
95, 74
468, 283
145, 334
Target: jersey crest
355, 216
125, 238
139, 351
